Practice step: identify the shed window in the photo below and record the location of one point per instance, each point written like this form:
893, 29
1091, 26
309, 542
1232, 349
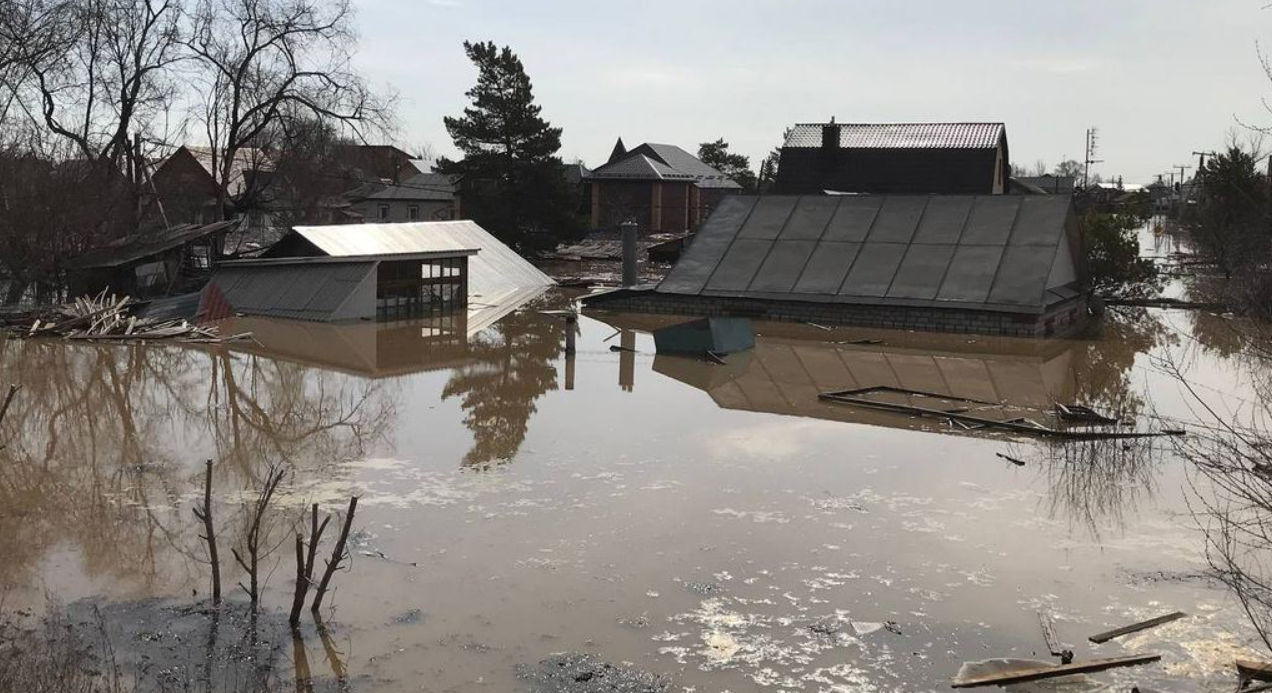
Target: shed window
414, 288
382, 212
413, 212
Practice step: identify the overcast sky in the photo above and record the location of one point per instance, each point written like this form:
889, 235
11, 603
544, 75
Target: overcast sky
1159, 78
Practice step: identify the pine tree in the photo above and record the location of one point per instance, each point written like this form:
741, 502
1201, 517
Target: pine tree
736, 166
513, 182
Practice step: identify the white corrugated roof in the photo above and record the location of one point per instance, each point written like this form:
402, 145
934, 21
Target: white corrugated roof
495, 274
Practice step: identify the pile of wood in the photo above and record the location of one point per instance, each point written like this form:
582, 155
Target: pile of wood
110, 317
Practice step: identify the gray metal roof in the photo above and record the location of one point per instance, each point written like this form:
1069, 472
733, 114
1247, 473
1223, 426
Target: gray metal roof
494, 274
901, 135
299, 291
1008, 253
138, 247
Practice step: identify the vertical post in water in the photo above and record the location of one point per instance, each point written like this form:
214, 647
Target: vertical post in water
627, 361
571, 327
629, 252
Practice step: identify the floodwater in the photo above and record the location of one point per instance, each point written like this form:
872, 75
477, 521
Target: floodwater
714, 525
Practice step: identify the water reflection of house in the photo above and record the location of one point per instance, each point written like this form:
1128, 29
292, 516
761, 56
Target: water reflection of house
790, 367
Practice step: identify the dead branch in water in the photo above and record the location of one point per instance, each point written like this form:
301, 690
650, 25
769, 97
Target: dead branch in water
337, 556
305, 563
204, 515
252, 564
8, 399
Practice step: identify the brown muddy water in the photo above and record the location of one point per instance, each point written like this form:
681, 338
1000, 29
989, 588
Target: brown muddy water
715, 525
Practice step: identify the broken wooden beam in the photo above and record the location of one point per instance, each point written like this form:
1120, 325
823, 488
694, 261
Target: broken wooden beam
1018, 425
1050, 672
1136, 627
1249, 669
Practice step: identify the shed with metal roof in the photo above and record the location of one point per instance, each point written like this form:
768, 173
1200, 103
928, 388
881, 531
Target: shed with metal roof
894, 158
1005, 264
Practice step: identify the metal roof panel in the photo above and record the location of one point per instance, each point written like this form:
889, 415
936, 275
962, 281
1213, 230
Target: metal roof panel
901, 135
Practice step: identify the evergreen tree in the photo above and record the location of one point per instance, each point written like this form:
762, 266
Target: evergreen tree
736, 166
513, 181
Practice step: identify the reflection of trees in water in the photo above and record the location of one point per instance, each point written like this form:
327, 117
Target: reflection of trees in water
1102, 367
510, 366
104, 442
1229, 452
1096, 483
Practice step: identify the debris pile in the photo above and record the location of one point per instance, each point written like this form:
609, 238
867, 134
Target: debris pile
109, 317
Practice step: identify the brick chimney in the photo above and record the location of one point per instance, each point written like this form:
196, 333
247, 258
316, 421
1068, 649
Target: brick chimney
830, 135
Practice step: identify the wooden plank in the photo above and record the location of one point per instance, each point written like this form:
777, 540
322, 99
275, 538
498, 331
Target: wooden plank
1050, 672
1136, 627
1010, 425
1250, 669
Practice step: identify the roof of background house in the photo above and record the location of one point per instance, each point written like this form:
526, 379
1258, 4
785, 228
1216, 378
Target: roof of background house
246, 160
575, 173
1062, 185
900, 135
1007, 253
651, 161
138, 246
424, 187
494, 274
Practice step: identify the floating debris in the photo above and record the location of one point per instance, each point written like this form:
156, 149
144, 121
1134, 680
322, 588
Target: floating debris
706, 335
1020, 671
1013, 460
1136, 627
1082, 414
104, 317
583, 673
959, 416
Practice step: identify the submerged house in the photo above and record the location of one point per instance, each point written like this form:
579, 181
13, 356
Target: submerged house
152, 264
375, 272
940, 158
994, 264
661, 187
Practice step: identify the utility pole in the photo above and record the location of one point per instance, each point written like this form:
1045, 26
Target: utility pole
1201, 159
1092, 137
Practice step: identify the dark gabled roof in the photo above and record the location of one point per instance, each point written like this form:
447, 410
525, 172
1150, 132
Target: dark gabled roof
900, 135
652, 161
639, 167
138, 247
1007, 253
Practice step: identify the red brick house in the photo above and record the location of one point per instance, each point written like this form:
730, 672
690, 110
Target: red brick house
661, 187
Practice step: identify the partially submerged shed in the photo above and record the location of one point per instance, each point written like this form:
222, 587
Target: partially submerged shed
998, 264
382, 271
153, 264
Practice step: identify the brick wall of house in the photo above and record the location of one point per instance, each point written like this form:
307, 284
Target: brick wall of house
1064, 319
675, 207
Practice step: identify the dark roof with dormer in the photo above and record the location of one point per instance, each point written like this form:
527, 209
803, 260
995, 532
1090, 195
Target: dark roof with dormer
651, 161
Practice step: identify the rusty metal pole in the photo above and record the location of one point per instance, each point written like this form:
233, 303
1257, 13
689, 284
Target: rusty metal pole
629, 252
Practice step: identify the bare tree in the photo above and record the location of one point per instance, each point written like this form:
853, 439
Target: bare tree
253, 539
94, 72
338, 556
266, 61
204, 515
305, 562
